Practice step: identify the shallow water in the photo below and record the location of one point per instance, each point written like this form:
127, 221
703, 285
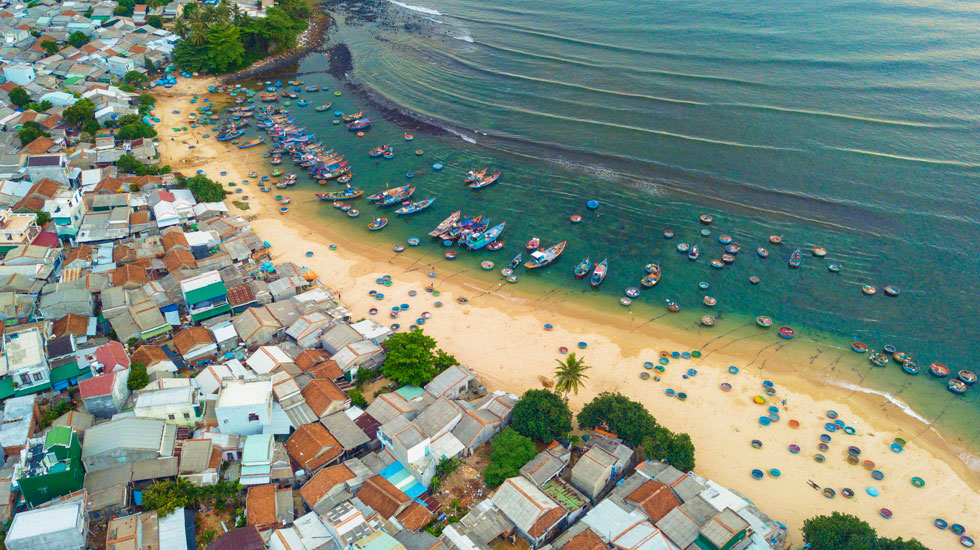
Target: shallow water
848, 126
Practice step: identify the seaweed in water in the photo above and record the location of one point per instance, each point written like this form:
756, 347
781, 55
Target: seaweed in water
341, 61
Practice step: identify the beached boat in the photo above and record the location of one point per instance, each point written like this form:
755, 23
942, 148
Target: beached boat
359, 124
859, 347
911, 367
673, 306
516, 261
394, 191
599, 275
377, 224
786, 332
353, 116
878, 359
583, 267
378, 151
652, 277
694, 253
939, 370
967, 376
445, 225
956, 386
477, 241
795, 258
472, 176
484, 182
346, 194
353, 213
763, 321
533, 244
230, 136
415, 207
542, 258
252, 143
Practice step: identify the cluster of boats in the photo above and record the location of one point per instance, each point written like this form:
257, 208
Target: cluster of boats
301, 146
909, 365
474, 233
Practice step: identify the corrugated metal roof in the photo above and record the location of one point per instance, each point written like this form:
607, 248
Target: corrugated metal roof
34, 523
140, 433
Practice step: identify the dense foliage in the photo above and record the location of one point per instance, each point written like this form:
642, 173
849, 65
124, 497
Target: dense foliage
542, 416
135, 78
49, 46
167, 496
135, 130
357, 398
54, 412
19, 97
81, 115
411, 358
138, 378
205, 189
511, 450
129, 165
636, 426
78, 39
31, 131
846, 532
221, 39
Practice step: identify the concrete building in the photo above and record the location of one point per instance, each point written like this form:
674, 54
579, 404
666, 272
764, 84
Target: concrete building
25, 361
20, 423
146, 439
205, 295
17, 229
50, 467
244, 407
105, 395
177, 405
64, 526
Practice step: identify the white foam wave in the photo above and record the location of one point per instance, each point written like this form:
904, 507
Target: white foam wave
905, 407
461, 136
420, 9
465, 37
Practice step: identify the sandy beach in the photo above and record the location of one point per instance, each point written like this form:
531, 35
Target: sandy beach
499, 333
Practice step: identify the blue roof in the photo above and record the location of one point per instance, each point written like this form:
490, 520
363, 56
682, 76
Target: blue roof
399, 477
409, 392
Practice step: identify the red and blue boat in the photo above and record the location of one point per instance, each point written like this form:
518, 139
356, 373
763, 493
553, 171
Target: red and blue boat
359, 124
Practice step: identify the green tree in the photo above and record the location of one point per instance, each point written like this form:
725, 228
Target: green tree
676, 449
78, 39
357, 398
155, 21
443, 360
626, 418
571, 375
19, 97
126, 120
124, 8
511, 450
42, 217
167, 496
38, 107
839, 532
409, 358
899, 544
542, 416
225, 47
136, 131
148, 64
180, 27
138, 378
81, 112
135, 78
29, 134
49, 46
91, 127
206, 190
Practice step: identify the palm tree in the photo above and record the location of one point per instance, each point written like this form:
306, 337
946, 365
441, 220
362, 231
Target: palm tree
571, 375
198, 33
221, 12
180, 27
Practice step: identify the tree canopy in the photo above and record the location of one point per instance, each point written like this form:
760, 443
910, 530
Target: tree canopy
511, 450
136, 130
846, 532
78, 39
570, 374
138, 378
542, 416
130, 165
134, 78
50, 46
19, 97
205, 189
675, 448
412, 358
28, 134
620, 415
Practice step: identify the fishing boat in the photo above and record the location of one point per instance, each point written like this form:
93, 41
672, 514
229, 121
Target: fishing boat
939, 370
252, 143
378, 151
313, 88
445, 224
710, 301
859, 347
599, 274
693, 253
477, 241
967, 376
819, 251
583, 267
878, 359
353, 116
389, 154
762, 252
302, 103
472, 176
652, 277
359, 124
673, 306
706, 219
833, 268
268, 98
395, 199
324, 107
516, 261
869, 290
533, 244
346, 194
377, 224
496, 245
892, 290
409, 137
632, 292
776, 239
353, 213
415, 207
956, 386
683, 248
394, 191
786, 332
911, 367
230, 136
763, 321
484, 182
795, 258
543, 258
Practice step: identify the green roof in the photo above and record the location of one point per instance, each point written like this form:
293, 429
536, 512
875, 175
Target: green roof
69, 371
6, 388
59, 435
208, 292
256, 448
20, 392
409, 392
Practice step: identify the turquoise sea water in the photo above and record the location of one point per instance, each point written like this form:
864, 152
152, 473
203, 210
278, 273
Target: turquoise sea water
848, 125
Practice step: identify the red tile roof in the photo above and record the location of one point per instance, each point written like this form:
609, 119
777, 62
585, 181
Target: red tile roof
324, 480
382, 496
111, 354
98, 386
312, 446
48, 239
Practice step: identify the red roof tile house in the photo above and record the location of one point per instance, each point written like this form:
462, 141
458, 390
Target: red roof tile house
325, 398
312, 447
112, 356
195, 345
104, 396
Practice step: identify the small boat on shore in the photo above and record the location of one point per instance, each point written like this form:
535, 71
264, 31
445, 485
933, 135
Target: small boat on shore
967, 376
786, 332
859, 347
795, 258
346, 194
673, 306
353, 213
543, 258
599, 274
377, 224
533, 244
956, 386
359, 124
415, 207
911, 367
709, 301
652, 277
694, 253
252, 143
583, 267
878, 359
763, 321
939, 370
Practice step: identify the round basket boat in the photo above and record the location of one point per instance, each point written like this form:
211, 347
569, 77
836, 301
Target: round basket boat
832, 414
754, 279
849, 430
770, 391
823, 447
764, 421
659, 368
918, 482
854, 451
794, 448
774, 472
966, 541
644, 376
940, 523
877, 475
759, 400
506, 272
825, 438
373, 311
859, 347
763, 321
696, 354
847, 493
756, 444
733, 370
896, 448
873, 491
669, 392
757, 474
563, 350
830, 427
852, 460
958, 529
725, 386
868, 465
819, 458
681, 396
829, 493
885, 513
575, 218
708, 321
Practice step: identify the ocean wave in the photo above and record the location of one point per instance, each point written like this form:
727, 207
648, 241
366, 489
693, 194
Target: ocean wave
906, 158
829, 114
465, 37
905, 407
420, 9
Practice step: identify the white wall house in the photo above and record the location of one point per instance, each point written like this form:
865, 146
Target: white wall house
244, 407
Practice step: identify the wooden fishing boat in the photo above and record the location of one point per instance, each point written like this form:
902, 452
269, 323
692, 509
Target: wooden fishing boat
477, 241
694, 253
353, 116
543, 258
599, 275
324, 107
533, 244
269, 97
878, 359
445, 224
359, 124
313, 88
939, 370
496, 245
346, 194
378, 151
252, 143
956, 386
380, 195
967, 376
516, 261
377, 224
484, 182
762, 252
911, 367
472, 176
859, 347
415, 207
395, 199
795, 258
652, 277
763, 321
583, 267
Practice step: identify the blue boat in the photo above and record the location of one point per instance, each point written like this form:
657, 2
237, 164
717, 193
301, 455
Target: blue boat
476, 241
415, 207
302, 103
359, 124
231, 136
599, 274
252, 143
583, 267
